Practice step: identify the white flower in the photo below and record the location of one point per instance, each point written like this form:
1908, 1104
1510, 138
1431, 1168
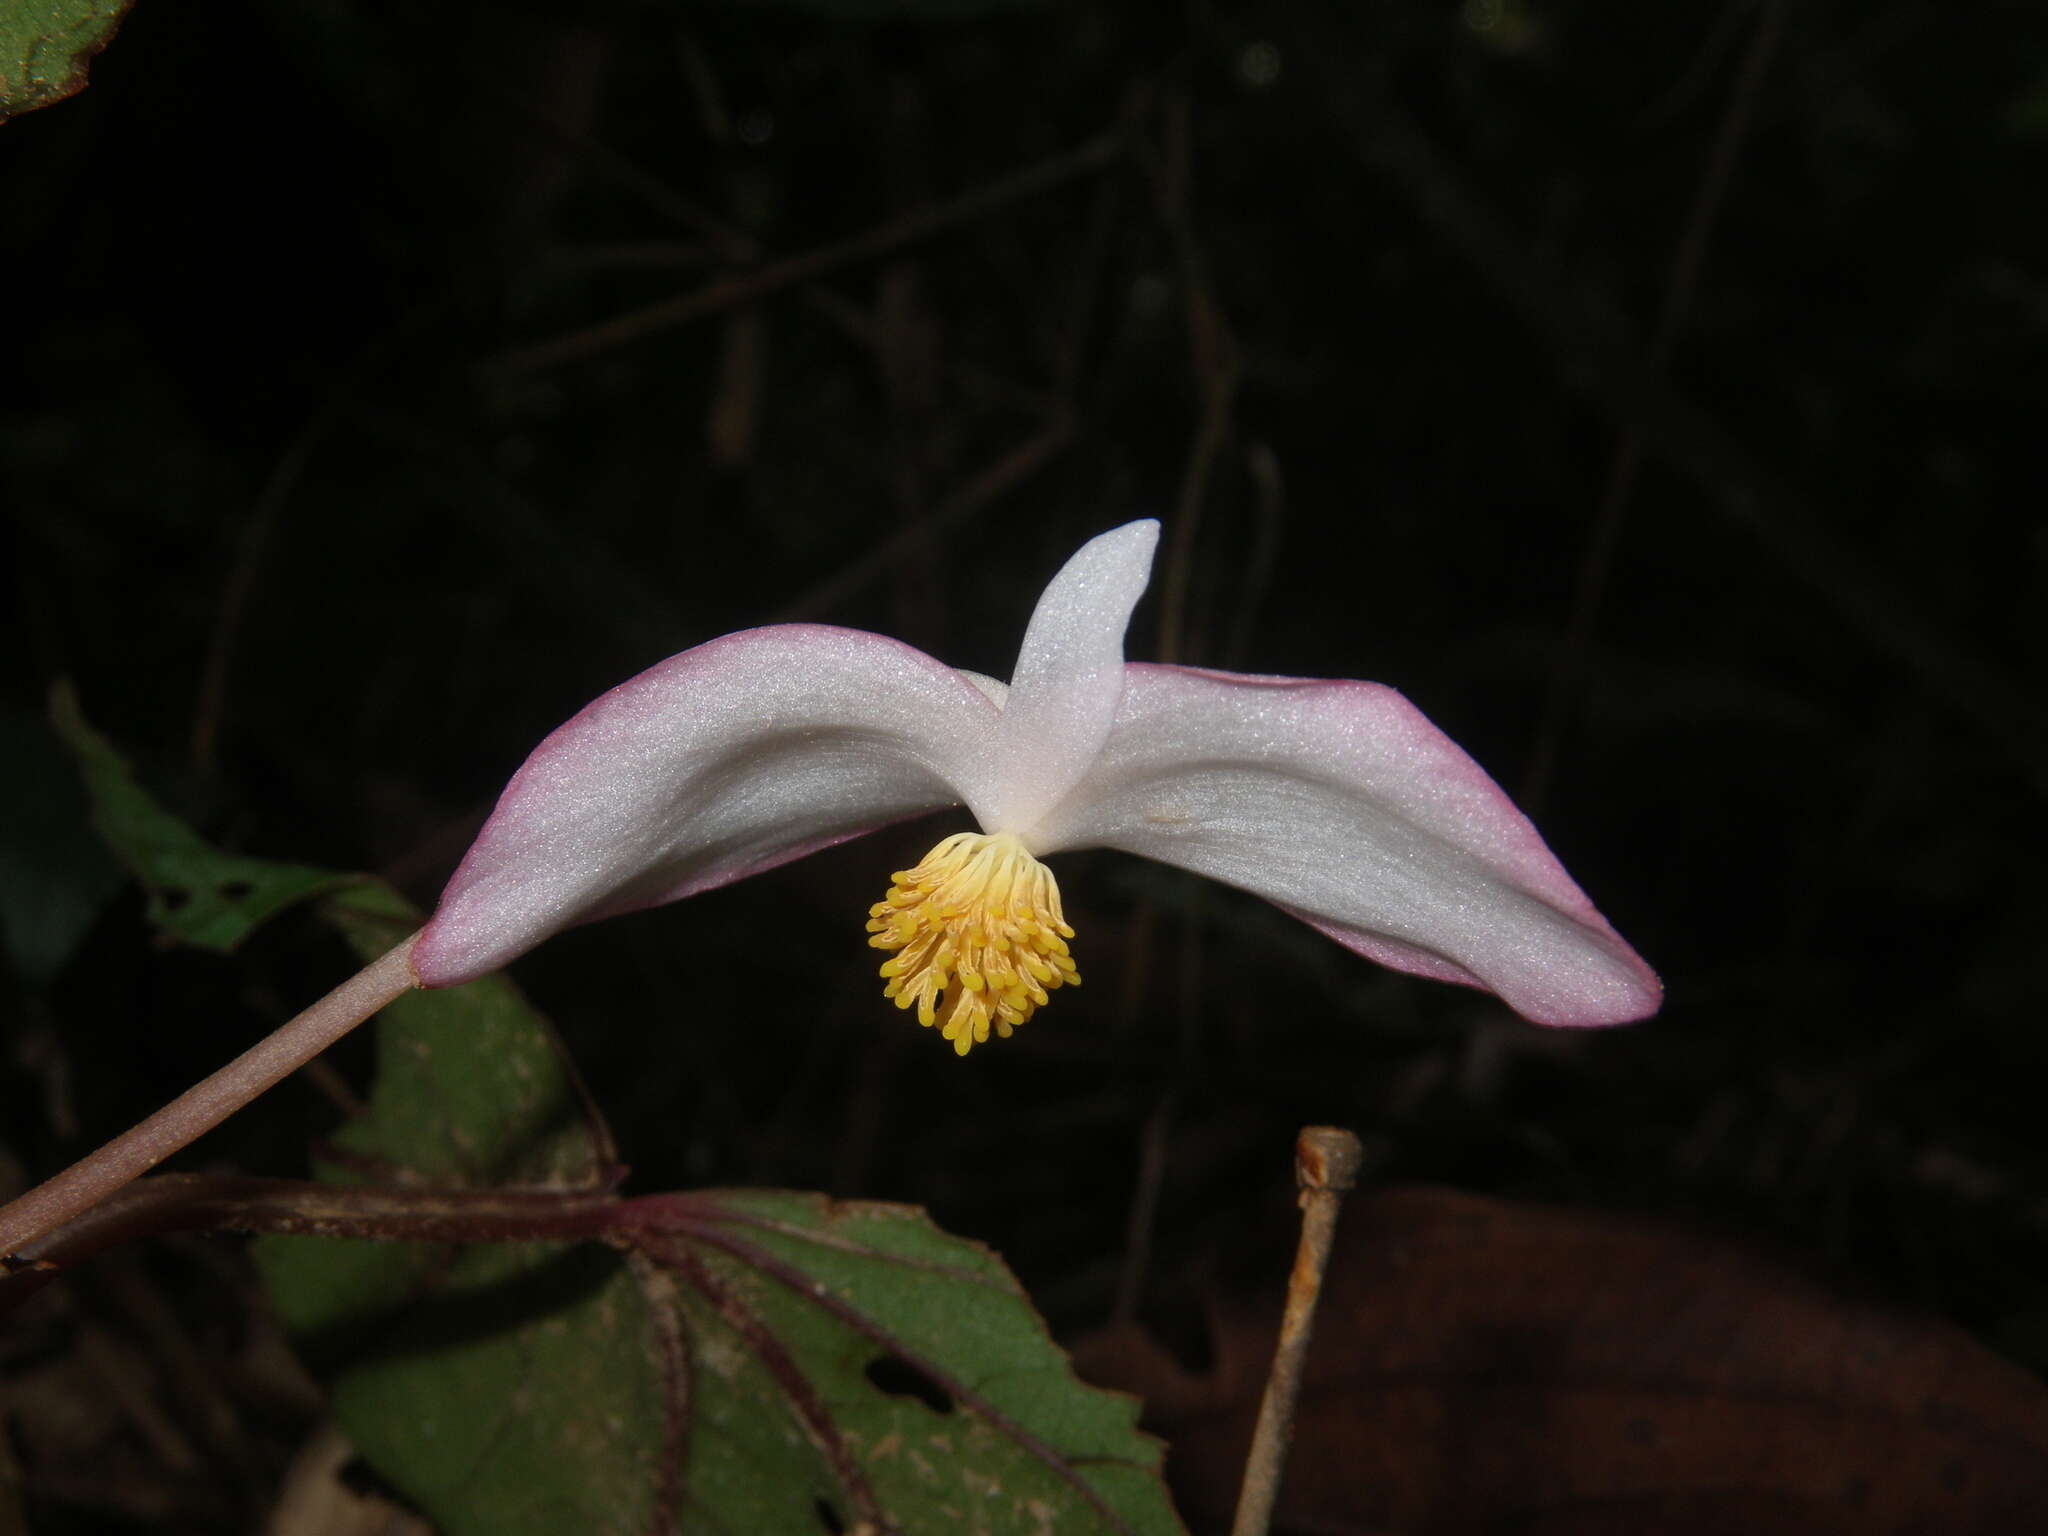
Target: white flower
1337, 801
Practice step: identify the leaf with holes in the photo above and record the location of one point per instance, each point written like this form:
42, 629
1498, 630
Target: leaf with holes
45, 46
851, 1367
733, 1362
197, 894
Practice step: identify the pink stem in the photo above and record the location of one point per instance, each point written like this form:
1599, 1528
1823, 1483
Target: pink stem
200, 1108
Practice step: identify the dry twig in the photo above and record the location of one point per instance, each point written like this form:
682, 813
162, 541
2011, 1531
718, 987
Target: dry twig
1326, 1163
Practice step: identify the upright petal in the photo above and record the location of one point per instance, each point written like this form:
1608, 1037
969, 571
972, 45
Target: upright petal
727, 760
1063, 694
1339, 802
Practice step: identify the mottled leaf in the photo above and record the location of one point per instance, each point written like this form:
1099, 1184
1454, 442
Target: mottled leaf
744, 1361
853, 1367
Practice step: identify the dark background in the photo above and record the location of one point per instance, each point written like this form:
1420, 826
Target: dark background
1652, 393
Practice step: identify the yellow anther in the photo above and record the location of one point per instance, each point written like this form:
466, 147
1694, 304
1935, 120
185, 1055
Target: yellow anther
980, 936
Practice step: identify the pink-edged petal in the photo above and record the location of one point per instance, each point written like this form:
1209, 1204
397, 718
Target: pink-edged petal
1063, 694
1342, 804
727, 760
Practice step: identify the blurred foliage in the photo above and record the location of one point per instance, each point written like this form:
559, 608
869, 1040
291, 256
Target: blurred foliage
58, 878
1362, 301
196, 894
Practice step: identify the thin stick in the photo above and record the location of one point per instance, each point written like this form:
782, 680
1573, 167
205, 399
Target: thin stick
1326, 1163
762, 281
996, 481
199, 1109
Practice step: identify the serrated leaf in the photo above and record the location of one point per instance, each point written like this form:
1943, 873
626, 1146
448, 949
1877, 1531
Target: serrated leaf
751, 1362
735, 1361
46, 46
851, 1358
741, 1361
197, 894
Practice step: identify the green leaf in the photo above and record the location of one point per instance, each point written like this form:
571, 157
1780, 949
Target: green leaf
473, 1087
733, 1361
198, 895
736, 1361
751, 1362
851, 1357
524, 1394
470, 1376
505, 1387
45, 46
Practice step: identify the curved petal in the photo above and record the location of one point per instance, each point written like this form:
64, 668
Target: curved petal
727, 760
1339, 802
1069, 675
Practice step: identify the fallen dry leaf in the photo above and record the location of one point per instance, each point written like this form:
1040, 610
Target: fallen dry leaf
1480, 1368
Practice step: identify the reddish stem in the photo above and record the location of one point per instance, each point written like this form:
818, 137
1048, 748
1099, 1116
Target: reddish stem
199, 1109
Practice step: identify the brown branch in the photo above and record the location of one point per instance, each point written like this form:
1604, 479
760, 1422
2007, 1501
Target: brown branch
997, 480
191, 1202
626, 174
746, 287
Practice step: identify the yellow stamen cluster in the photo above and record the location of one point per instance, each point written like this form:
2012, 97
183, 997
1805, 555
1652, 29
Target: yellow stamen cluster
979, 937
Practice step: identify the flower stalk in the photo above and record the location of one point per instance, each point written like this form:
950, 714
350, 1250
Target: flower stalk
200, 1108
